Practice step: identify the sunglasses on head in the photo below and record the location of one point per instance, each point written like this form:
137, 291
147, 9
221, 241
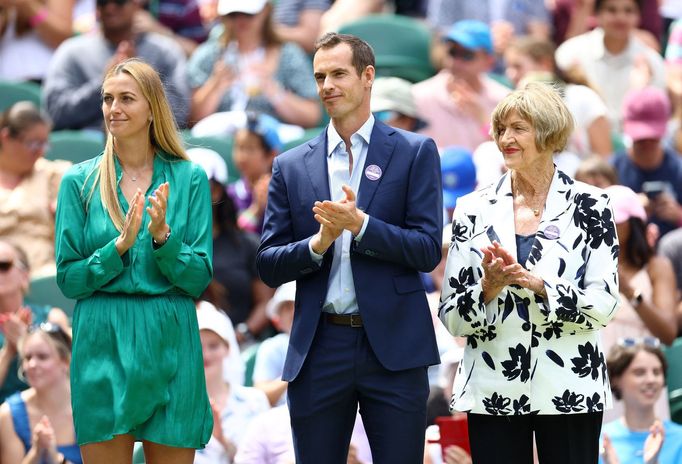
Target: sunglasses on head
461, 53
101, 3
53, 330
649, 341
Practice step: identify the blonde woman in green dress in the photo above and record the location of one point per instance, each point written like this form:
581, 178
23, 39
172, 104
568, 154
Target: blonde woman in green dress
134, 247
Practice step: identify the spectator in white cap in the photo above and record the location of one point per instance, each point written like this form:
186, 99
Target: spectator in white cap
392, 102
248, 67
649, 167
267, 372
215, 167
233, 405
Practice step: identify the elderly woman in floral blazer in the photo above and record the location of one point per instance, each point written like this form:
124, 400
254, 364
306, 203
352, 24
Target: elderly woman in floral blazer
530, 279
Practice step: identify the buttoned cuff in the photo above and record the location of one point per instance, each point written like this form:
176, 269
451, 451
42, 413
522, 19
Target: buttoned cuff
317, 259
363, 228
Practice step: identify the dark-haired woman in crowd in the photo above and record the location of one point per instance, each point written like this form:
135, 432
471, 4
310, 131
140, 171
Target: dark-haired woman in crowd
28, 184
637, 370
240, 292
646, 283
36, 426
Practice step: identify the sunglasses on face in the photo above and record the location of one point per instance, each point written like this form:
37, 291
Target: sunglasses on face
36, 145
6, 265
101, 3
628, 342
463, 54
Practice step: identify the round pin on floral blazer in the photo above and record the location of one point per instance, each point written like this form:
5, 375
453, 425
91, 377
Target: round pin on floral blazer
526, 354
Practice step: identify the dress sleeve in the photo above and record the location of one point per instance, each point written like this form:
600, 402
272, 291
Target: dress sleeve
80, 274
186, 261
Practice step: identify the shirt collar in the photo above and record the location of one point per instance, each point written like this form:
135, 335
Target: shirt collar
333, 137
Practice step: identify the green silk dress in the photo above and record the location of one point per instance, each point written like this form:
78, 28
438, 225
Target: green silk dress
137, 366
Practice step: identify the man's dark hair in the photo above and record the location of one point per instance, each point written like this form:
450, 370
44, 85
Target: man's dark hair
599, 4
363, 55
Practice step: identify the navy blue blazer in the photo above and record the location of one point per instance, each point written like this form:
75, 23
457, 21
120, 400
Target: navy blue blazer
403, 237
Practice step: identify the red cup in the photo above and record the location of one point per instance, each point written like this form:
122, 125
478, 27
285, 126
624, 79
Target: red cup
453, 431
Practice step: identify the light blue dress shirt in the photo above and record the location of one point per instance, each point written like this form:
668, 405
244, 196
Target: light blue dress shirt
341, 288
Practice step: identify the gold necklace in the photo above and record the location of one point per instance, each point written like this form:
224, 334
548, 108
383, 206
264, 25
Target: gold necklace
536, 211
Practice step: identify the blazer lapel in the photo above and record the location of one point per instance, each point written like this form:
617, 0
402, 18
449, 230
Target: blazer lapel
556, 218
316, 166
499, 214
381, 146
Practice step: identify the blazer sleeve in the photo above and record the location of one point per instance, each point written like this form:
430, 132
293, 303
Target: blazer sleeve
588, 300
80, 274
281, 258
462, 309
417, 243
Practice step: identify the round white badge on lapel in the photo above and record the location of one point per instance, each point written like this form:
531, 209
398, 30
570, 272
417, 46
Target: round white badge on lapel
373, 172
551, 232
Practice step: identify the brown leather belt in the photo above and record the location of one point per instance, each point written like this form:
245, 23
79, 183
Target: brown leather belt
350, 320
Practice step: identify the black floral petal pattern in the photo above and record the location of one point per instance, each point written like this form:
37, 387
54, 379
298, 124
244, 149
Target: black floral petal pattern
522, 405
569, 402
497, 405
590, 361
594, 403
518, 365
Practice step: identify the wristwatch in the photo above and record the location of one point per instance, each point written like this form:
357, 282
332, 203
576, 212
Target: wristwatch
165, 239
637, 298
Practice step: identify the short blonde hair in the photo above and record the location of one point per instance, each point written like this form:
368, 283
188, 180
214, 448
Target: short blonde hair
542, 107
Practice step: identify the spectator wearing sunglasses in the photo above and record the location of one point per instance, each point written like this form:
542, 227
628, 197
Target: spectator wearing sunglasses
637, 370
72, 86
16, 315
646, 283
457, 102
28, 184
36, 425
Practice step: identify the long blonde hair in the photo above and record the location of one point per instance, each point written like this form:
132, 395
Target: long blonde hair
163, 133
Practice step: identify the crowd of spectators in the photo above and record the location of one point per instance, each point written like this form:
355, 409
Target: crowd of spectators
246, 66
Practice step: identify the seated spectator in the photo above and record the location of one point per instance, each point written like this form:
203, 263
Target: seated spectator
507, 18
268, 440
609, 54
592, 135
299, 21
233, 365
249, 68
393, 103
670, 246
36, 425
458, 172
255, 146
28, 184
267, 372
32, 29
637, 370
457, 102
234, 406
236, 287
346, 11
649, 167
177, 19
72, 87
646, 281
16, 316
596, 171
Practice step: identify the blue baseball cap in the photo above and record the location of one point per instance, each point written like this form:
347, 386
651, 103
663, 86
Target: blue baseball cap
471, 34
459, 174
267, 127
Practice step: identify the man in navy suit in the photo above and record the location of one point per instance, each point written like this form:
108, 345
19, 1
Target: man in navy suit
362, 331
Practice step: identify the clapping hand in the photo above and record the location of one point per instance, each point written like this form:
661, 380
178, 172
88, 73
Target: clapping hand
654, 443
456, 455
500, 269
44, 440
131, 227
158, 227
342, 214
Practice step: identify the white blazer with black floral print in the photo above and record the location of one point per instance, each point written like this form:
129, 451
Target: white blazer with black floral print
526, 354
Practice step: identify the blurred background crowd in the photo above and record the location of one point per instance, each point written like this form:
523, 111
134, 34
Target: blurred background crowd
239, 77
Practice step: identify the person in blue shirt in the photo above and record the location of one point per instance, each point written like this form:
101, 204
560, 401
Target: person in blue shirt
637, 371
